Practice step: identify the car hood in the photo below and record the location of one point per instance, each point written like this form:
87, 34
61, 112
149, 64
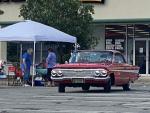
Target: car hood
83, 66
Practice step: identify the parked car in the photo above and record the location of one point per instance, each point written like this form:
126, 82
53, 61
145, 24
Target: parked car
97, 69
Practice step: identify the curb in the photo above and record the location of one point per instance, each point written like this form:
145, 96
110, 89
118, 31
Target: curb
144, 79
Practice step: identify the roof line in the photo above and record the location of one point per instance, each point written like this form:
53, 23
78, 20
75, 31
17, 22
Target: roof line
9, 22
102, 21
126, 21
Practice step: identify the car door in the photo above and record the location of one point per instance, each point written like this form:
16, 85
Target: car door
122, 75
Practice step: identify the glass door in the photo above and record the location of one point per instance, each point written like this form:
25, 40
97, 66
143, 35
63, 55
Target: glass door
140, 55
149, 57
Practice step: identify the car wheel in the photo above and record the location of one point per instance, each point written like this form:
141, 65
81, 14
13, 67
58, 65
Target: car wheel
107, 87
126, 87
85, 87
61, 88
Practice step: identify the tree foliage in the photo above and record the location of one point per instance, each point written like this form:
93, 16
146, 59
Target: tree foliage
70, 16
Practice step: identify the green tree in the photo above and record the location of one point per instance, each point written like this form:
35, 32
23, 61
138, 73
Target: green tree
70, 16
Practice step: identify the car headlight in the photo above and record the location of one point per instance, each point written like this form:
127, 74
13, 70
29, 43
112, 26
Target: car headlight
59, 73
103, 73
97, 73
54, 73
100, 73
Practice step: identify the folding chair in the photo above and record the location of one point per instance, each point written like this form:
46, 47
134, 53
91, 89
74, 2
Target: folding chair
11, 74
14, 76
18, 78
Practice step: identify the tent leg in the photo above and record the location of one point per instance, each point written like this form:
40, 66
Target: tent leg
33, 64
41, 55
20, 53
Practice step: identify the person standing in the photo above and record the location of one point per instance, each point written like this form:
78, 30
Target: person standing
25, 66
51, 62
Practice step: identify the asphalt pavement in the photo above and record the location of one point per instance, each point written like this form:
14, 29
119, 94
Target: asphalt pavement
18, 99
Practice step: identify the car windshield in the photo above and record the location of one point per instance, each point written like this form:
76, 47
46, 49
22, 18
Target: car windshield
91, 57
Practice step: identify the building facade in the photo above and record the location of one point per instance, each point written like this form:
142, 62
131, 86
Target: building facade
125, 26
122, 25
10, 10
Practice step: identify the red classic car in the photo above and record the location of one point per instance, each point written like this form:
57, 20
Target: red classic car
95, 68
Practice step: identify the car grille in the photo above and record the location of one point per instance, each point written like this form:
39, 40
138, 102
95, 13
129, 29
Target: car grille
78, 73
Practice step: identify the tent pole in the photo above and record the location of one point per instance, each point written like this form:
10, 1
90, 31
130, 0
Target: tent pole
20, 53
41, 55
33, 64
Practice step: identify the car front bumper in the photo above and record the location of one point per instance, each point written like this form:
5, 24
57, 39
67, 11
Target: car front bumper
79, 81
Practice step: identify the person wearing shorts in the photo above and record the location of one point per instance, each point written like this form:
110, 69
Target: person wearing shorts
51, 62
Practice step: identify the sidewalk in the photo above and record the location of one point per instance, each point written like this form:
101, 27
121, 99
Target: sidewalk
144, 79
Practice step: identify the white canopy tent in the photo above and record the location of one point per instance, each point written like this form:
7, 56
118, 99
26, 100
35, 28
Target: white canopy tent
33, 31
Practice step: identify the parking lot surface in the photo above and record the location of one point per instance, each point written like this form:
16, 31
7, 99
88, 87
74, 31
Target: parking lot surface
48, 100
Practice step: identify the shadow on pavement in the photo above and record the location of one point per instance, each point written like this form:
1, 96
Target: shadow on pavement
96, 91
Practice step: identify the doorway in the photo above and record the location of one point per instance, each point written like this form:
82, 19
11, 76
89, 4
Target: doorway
141, 55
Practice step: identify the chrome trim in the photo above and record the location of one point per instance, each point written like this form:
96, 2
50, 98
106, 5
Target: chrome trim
91, 78
79, 69
130, 71
78, 72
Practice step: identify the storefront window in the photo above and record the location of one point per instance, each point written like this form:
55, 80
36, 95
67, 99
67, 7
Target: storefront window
13, 52
62, 50
115, 38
